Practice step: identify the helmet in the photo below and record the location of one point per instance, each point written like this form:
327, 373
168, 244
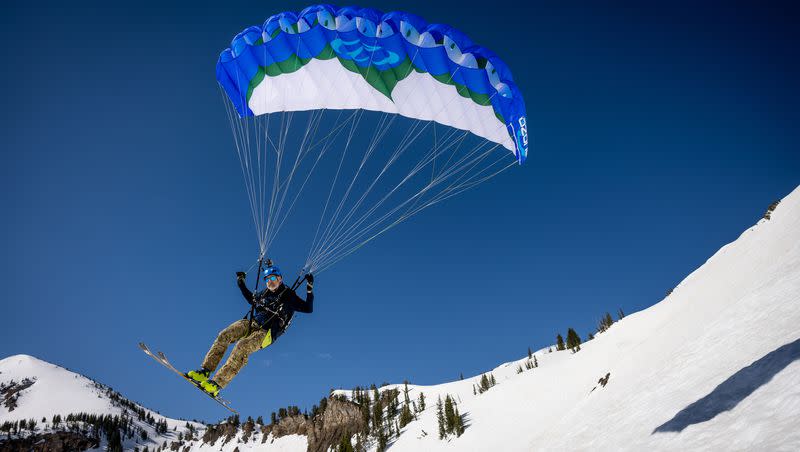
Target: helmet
272, 270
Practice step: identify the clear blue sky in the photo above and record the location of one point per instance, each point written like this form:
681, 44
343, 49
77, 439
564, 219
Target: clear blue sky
659, 134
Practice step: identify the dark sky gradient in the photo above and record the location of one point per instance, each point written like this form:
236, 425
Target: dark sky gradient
660, 133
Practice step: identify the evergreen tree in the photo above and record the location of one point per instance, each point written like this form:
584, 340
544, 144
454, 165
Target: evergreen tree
530, 353
535, 361
405, 416
359, 443
529, 365
421, 402
114, 442
559, 342
365, 403
392, 403
484, 384
383, 440
377, 414
449, 415
440, 418
620, 314
605, 323
459, 427
573, 340
345, 445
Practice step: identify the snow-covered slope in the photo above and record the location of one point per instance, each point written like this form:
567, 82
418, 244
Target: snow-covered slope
714, 366
52, 390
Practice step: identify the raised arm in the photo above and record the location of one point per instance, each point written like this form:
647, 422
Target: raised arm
298, 304
240, 281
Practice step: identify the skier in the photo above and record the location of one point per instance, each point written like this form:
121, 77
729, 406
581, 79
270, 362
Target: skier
273, 308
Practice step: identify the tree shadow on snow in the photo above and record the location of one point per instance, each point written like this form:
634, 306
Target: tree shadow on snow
735, 389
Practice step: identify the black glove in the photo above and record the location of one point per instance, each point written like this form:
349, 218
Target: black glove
241, 276
309, 281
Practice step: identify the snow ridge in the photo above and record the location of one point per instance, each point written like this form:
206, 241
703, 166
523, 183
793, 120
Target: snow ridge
713, 366
54, 390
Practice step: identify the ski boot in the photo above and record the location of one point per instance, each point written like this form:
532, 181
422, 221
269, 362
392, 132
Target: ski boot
210, 387
199, 376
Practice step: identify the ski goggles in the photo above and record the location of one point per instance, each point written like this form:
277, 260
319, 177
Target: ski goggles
271, 278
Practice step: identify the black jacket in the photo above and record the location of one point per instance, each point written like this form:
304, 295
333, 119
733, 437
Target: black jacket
274, 310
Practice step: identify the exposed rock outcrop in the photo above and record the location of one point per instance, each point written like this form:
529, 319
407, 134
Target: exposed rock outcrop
214, 432
340, 419
49, 442
291, 425
9, 393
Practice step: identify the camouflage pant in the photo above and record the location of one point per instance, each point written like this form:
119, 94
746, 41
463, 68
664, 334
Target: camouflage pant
246, 344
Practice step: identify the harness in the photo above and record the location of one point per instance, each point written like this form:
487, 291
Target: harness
250, 314
276, 301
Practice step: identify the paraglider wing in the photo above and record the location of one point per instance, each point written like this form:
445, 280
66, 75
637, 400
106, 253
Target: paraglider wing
358, 58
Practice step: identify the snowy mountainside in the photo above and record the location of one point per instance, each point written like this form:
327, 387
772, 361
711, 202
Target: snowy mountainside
713, 366
34, 389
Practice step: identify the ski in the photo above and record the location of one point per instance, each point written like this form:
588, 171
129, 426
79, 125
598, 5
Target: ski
161, 358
